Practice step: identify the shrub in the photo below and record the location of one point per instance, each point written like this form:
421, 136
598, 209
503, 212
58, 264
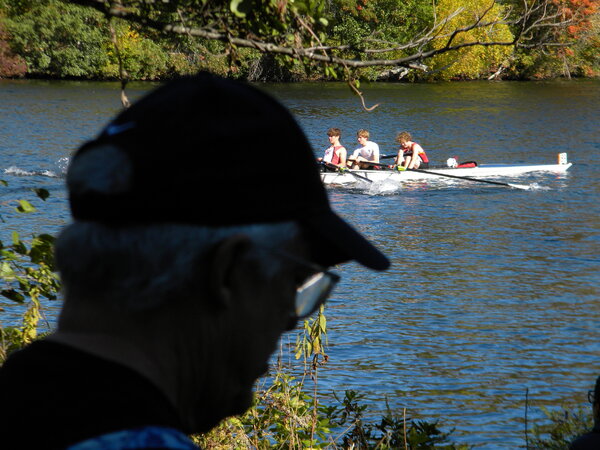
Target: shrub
565, 425
60, 40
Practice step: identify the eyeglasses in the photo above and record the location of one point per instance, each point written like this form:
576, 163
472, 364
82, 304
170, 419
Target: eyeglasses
313, 292
591, 397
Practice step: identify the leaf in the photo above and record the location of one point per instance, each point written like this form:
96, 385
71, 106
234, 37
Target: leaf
18, 246
4, 182
13, 295
233, 6
322, 322
6, 271
42, 249
323, 21
42, 193
25, 207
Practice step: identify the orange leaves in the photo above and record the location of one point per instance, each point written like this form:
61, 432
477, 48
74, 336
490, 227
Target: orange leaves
579, 13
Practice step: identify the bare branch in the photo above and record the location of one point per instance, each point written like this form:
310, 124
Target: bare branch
362, 98
123, 75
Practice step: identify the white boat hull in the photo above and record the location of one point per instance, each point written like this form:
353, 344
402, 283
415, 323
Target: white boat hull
482, 171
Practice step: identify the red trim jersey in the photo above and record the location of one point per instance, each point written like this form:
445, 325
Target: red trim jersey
422, 154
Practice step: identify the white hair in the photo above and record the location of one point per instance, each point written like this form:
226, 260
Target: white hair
138, 268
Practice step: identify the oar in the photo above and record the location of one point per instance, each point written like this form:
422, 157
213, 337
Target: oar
337, 169
476, 180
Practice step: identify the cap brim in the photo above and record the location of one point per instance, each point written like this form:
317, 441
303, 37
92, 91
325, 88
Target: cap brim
337, 242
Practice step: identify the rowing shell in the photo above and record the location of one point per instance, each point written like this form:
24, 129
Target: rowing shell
482, 171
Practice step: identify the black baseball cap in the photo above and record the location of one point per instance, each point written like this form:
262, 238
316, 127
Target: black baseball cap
215, 152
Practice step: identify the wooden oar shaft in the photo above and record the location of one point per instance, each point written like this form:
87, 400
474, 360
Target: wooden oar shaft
477, 180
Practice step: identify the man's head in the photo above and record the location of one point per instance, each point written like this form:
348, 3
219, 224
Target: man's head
207, 304
186, 246
595, 400
184, 154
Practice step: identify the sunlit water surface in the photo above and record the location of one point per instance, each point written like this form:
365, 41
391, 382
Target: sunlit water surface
492, 292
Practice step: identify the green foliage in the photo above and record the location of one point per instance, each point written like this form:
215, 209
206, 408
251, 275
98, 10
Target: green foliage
534, 64
62, 40
351, 30
284, 416
565, 425
391, 431
311, 343
377, 24
58, 39
384, 20
143, 59
27, 274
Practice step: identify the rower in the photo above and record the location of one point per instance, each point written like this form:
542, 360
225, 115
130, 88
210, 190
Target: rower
410, 154
367, 152
335, 154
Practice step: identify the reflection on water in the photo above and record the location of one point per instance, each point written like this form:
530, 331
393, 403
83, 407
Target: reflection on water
492, 290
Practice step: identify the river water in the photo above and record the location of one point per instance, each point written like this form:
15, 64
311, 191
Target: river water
492, 292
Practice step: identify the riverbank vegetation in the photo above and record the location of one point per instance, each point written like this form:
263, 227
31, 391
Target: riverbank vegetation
288, 40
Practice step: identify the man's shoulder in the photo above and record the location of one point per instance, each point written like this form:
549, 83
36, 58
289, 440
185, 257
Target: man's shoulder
588, 441
93, 395
36, 354
373, 145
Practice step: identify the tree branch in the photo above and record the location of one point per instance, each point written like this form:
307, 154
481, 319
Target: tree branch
534, 17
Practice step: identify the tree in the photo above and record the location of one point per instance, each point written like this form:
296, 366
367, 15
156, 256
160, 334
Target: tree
54, 38
59, 39
471, 61
305, 30
582, 56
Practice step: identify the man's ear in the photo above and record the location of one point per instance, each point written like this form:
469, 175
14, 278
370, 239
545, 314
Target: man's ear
227, 257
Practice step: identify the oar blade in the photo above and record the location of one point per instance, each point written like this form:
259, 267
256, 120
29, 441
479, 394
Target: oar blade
524, 187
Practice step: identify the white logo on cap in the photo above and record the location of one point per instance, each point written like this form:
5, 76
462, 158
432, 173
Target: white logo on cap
113, 129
